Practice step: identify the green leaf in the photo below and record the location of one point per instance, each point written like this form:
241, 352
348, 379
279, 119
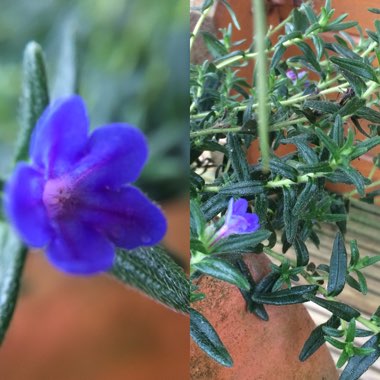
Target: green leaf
309, 55
323, 106
352, 106
238, 158
35, 96
327, 142
309, 12
374, 10
222, 270
330, 331
319, 45
359, 68
340, 26
357, 365
304, 198
362, 282
12, 257
232, 14
355, 81
207, 4
355, 178
294, 295
197, 219
301, 252
198, 246
277, 55
214, 46
339, 309
338, 266
365, 146
279, 167
369, 114
152, 271
307, 152
207, 339
355, 255
245, 189
291, 222
367, 261
351, 331
336, 343
342, 359
244, 243
317, 339
214, 205
337, 131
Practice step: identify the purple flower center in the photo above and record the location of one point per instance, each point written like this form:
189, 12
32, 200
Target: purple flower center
58, 197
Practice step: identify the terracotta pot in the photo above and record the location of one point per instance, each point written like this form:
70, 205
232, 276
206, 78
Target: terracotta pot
259, 349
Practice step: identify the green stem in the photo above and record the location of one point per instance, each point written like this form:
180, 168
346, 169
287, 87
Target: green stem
311, 280
198, 25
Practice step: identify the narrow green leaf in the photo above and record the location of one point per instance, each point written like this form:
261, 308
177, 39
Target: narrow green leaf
214, 46
197, 219
232, 14
307, 152
198, 246
352, 106
304, 198
367, 261
337, 131
340, 26
361, 69
294, 295
319, 45
222, 270
35, 96
355, 255
281, 168
152, 271
328, 143
338, 266
358, 84
323, 106
369, 114
277, 55
334, 342
214, 205
339, 309
241, 243
351, 330
317, 339
358, 364
291, 222
362, 282
302, 252
354, 177
12, 257
374, 10
238, 157
207, 4
309, 55
245, 189
207, 339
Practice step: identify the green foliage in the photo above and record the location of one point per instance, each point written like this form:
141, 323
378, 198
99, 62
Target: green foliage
323, 124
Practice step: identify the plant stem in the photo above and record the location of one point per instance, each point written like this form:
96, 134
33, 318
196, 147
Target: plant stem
311, 280
198, 25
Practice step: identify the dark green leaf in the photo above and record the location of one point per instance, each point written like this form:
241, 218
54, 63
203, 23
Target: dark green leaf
328, 143
361, 69
301, 252
207, 339
277, 55
340, 26
214, 205
319, 46
279, 167
362, 282
214, 46
355, 82
238, 157
338, 267
35, 96
307, 152
336, 343
12, 257
358, 364
197, 245
316, 338
354, 252
337, 131
152, 271
197, 219
321, 167
323, 106
309, 55
309, 12
290, 221
352, 106
304, 198
294, 295
374, 10
365, 146
245, 189
339, 309
355, 178
222, 270
207, 4
232, 14
241, 243
369, 114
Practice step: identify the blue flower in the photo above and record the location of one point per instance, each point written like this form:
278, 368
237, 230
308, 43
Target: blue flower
74, 197
237, 220
294, 76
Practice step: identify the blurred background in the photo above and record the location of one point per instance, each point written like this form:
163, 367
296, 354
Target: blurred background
132, 66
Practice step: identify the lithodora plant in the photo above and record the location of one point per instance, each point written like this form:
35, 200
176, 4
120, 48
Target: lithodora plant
324, 103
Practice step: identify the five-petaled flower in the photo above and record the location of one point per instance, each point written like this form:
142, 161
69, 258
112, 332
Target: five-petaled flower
74, 197
237, 221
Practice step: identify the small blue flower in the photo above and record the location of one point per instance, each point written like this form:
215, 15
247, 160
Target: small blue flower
74, 197
294, 76
237, 220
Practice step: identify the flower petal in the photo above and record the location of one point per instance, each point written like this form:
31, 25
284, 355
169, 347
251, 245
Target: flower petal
116, 156
240, 206
252, 222
24, 206
79, 249
60, 136
126, 216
